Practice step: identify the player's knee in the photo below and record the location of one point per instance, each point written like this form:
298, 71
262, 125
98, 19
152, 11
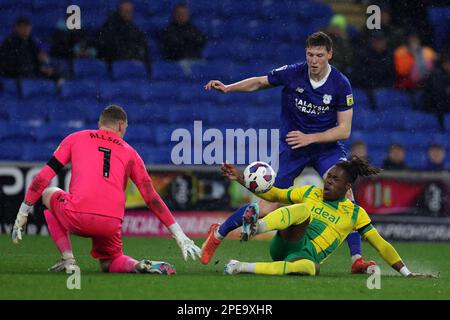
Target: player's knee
47, 195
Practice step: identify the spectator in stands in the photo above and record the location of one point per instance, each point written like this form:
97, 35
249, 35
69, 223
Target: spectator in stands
394, 35
435, 158
342, 45
413, 63
181, 40
374, 67
121, 39
70, 44
436, 97
396, 158
359, 149
20, 55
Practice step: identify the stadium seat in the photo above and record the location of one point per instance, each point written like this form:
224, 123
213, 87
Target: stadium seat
40, 152
164, 132
34, 110
140, 134
80, 88
390, 98
68, 112
90, 69
155, 92
53, 132
361, 99
129, 69
163, 70
123, 90
420, 121
17, 132
34, 88
9, 87
447, 123
12, 151
151, 114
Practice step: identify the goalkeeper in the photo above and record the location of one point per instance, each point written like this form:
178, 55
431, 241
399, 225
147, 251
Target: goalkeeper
313, 225
102, 162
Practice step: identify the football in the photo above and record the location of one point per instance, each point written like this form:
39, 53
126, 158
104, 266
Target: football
259, 177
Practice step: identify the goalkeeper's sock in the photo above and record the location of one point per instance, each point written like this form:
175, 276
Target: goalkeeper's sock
233, 222
279, 268
59, 234
354, 244
283, 217
122, 264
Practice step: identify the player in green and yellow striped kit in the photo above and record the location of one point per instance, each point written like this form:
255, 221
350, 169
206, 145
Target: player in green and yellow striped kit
313, 224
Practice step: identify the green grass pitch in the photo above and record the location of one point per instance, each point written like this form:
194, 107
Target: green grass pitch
23, 274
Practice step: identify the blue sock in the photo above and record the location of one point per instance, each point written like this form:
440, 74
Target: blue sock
354, 243
233, 222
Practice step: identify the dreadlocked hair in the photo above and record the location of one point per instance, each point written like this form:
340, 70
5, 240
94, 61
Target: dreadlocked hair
356, 167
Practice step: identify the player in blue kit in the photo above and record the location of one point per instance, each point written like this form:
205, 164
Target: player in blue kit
316, 113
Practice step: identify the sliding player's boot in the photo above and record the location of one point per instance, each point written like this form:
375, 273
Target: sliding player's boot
210, 245
66, 265
154, 267
360, 265
249, 221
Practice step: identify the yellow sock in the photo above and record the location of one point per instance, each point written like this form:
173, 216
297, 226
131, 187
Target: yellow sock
284, 217
305, 267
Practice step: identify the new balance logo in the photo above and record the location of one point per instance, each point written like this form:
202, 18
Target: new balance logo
299, 90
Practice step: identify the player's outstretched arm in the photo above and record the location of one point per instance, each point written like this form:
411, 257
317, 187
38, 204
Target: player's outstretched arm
273, 195
246, 85
34, 192
140, 177
390, 255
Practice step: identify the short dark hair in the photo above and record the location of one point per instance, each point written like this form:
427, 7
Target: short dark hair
20, 21
435, 145
319, 39
112, 114
357, 143
396, 146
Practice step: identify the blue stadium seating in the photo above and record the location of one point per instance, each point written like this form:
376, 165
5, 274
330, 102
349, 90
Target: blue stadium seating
80, 88
163, 70
33, 110
90, 69
18, 133
38, 151
151, 114
390, 98
447, 123
9, 87
140, 134
53, 132
420, 121
129, 69
38, 87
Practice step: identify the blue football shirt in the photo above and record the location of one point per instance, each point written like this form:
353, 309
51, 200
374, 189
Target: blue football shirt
307, 109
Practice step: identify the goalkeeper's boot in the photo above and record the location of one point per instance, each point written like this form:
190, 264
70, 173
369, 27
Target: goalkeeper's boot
210, 245
154, 267
232, 267
249, 221
360, 265
67, 265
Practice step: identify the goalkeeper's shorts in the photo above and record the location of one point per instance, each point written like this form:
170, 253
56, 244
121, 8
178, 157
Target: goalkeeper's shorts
283, 250
105, 232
